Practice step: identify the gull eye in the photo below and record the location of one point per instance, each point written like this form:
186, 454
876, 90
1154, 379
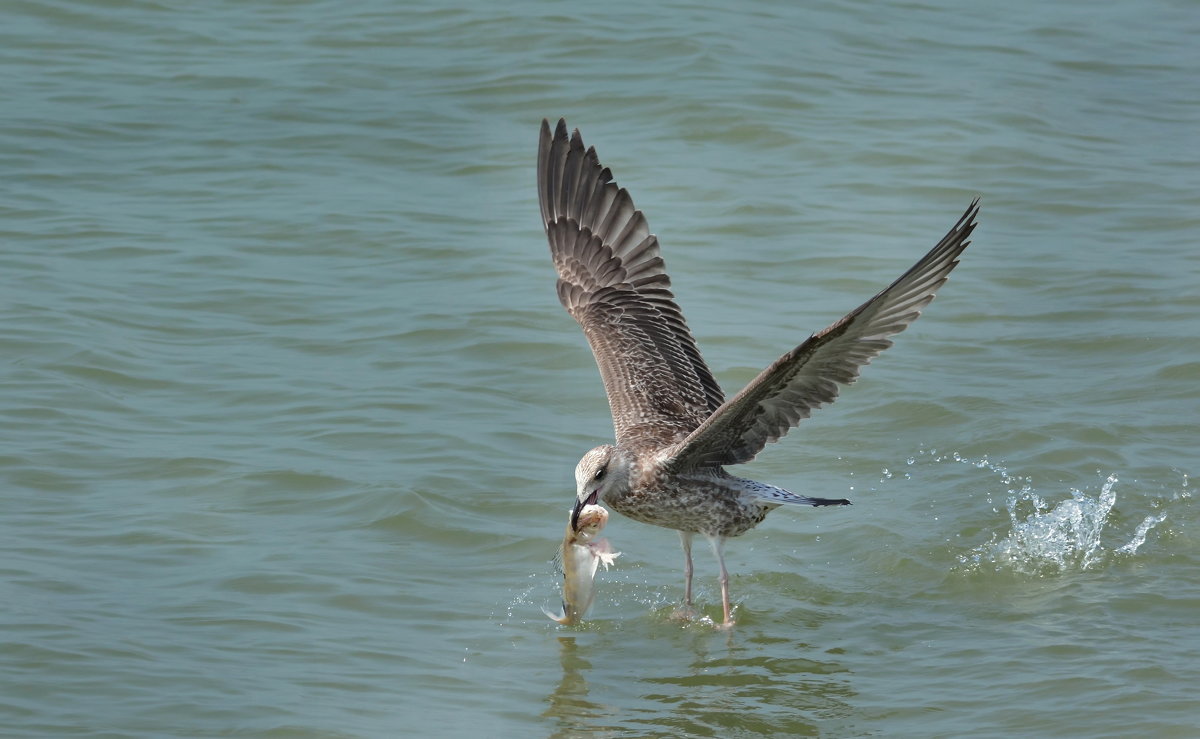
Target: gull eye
599, 474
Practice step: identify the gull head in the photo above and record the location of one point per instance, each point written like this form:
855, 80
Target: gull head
601, 471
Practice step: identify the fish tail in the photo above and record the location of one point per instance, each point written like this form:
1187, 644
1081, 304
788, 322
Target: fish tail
563, 619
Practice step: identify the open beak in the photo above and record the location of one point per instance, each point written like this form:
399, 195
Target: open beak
579, 506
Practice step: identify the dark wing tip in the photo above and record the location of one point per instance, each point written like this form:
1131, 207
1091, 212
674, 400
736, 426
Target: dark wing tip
967, 223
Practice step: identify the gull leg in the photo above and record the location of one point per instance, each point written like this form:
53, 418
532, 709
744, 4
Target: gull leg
685, 613
718, 547
685, 538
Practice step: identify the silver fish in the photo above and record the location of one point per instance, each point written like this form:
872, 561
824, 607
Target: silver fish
581, 554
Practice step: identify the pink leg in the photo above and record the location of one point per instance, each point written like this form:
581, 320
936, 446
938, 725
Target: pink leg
685, 538
718, 547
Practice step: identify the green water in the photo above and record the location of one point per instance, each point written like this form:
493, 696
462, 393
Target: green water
290, 409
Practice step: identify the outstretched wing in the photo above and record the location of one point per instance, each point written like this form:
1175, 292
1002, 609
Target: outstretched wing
809, 376
612, 280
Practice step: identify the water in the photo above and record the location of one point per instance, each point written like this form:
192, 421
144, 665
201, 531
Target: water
290, 408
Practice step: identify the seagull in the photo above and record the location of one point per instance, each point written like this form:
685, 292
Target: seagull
675, 432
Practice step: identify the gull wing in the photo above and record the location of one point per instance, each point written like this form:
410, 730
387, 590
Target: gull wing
612, 280
810, 375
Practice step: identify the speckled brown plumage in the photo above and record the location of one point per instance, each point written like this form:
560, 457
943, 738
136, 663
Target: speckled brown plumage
674, 429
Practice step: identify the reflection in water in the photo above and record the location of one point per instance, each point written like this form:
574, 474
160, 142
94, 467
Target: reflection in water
767, 688
720, 683
569, 706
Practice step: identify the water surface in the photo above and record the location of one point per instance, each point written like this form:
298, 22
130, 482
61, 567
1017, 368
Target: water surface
290, 409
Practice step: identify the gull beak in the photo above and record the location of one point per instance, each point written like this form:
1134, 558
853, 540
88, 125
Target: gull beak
579, 506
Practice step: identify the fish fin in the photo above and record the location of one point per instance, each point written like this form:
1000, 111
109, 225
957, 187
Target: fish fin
603, 552
607, 558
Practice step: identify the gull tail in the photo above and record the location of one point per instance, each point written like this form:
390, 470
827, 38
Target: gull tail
779, 496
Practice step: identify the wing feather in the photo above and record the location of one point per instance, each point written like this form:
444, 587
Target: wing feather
613, 281
810, 375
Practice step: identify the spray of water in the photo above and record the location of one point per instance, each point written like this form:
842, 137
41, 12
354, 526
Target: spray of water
1046, 537
1058, 536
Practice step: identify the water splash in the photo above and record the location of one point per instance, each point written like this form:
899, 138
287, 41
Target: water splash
1051, 536
1047, 538
1063, 536
1139, 537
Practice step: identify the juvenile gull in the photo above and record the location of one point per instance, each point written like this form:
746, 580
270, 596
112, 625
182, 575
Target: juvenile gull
675, 431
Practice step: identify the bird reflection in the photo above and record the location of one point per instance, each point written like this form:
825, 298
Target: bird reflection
569, 706
699, 685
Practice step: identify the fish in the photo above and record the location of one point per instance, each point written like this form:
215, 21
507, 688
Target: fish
581, 555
